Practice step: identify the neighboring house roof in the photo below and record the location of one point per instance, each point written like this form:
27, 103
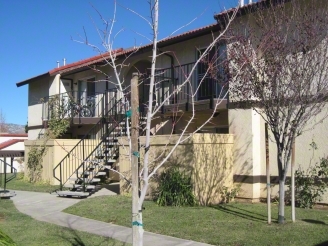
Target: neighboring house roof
220, 18
13, 135
10, 142
5, 152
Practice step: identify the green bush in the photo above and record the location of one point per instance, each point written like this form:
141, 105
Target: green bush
5, 240
310, 185
229, 194
175, 189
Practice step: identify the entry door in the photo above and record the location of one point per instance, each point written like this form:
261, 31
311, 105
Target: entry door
206, 81
87, 90
144, 94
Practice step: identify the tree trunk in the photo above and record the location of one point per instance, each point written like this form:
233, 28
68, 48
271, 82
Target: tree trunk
281, 211
136, 222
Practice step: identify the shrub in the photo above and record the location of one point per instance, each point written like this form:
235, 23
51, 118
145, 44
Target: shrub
229, 194
310, 185
175, 189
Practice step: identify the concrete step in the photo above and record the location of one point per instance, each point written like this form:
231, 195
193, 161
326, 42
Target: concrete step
109, 155
73, 193
110, 139
86, 173
89, 181
6, 194
78, 186
111, 143
94, 180
90, 168
101, 174
109, 167
73, 179
116, 128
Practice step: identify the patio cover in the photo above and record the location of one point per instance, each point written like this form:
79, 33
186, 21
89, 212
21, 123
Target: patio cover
11, 153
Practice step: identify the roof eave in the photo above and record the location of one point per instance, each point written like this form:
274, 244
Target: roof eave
249, 8
25, 82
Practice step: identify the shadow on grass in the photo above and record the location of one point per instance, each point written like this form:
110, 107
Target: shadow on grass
242, 213
322, 244
319, 222
75, 240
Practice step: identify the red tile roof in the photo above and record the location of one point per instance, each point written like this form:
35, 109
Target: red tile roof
164, 42
122, 52
10, 142
83, 63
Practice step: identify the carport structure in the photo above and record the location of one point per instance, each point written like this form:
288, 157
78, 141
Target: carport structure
7, 169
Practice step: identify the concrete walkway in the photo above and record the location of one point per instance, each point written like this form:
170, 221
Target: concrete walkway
47, 207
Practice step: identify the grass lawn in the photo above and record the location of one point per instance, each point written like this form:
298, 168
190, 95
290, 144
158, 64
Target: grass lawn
26, 231
21, 184
232, 224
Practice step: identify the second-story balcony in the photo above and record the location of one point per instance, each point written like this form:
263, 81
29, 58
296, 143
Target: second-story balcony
81, 107
178, 87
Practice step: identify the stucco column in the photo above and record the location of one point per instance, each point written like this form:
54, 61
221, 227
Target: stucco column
54, 85
256, 153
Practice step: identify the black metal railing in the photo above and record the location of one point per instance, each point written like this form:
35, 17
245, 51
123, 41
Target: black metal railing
5, 177
89, 150
174, 79
77, 104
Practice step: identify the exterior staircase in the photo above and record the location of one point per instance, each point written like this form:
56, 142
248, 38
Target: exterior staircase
88, 162
5, 178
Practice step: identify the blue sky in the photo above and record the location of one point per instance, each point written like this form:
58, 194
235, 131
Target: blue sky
35, 34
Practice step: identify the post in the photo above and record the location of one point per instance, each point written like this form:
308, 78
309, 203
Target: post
163, 94
12, 165
135, 158
83, 168
5, 171
267, 161
292, 167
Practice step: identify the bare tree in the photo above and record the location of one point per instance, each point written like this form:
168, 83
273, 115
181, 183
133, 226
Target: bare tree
282, 50
3, 125
117, 64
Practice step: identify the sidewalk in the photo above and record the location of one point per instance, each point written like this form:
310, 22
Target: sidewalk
47, 207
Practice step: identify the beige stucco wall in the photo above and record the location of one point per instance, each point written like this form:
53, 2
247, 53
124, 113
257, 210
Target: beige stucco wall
208, 157
56, 151
36, 91
249, 151
240, 125
164, 125
315, 131
249, 144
